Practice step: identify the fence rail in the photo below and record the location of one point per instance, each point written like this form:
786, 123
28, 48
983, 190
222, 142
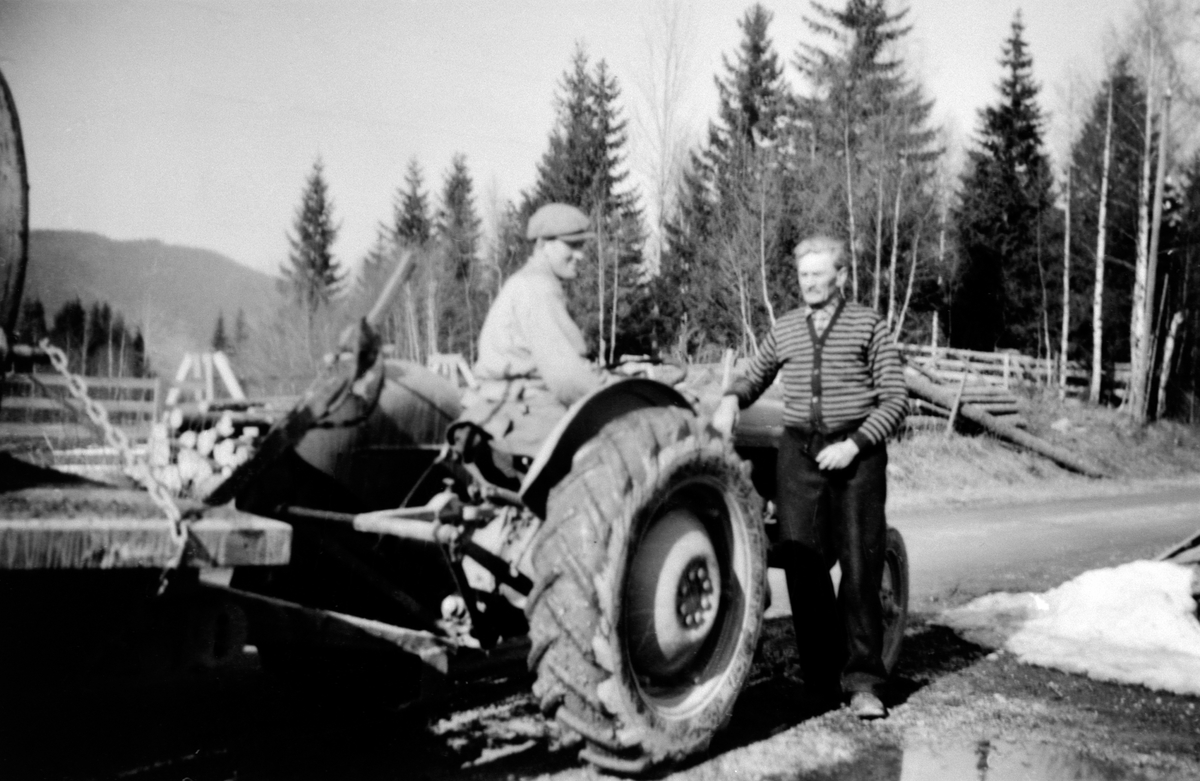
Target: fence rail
1009, 368
41, 404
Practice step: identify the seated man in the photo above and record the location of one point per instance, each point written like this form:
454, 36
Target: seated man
532, 363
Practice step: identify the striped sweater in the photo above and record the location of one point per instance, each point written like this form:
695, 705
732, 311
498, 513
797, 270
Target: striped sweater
848, 376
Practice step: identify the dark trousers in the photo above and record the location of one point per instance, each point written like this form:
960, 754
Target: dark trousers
828, 516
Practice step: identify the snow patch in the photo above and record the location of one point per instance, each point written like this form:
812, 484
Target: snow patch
1135, 623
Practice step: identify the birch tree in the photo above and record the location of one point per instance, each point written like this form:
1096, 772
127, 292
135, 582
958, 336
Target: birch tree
660, 117
1101, 236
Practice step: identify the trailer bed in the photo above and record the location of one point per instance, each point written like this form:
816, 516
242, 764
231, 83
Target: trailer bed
51, 520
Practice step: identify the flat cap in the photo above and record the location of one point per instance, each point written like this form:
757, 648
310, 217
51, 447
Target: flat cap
558, 221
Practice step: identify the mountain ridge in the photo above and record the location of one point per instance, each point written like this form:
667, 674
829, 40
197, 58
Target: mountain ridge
173, 293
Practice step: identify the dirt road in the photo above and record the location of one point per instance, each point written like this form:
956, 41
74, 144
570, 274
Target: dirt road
958, 710
958, 554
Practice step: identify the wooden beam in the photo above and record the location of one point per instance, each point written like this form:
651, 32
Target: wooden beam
96, 541
921, 387
221, 363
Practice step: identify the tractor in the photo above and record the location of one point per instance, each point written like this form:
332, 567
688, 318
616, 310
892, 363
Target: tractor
625, 561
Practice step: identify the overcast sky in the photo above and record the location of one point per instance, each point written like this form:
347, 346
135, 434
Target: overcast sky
197, 122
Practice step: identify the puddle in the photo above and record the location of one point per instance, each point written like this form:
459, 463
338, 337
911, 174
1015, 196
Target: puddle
985, 761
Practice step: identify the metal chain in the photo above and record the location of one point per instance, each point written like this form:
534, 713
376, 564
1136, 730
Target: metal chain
116, 438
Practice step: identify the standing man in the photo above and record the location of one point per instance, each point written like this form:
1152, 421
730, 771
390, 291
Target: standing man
843, 396
532, 363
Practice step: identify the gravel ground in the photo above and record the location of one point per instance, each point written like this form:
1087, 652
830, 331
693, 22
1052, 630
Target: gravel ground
951, 701
958, 711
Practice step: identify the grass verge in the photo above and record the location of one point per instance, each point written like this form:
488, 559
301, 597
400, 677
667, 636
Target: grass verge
928, 468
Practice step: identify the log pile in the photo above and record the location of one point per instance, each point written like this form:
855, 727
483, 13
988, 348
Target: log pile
191, 462
994, 399
922, 387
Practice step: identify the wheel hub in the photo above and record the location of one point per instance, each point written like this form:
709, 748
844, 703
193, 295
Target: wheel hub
694, 599
672, 595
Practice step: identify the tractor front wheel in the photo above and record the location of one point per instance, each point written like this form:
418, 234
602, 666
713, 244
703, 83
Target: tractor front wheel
650, 588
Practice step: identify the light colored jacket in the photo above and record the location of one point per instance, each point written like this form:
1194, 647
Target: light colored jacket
528, 334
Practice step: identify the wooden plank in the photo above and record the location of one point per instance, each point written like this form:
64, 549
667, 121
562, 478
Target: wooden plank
121, 543
55, 430
110, 405
57, 380
954, 407
90, 527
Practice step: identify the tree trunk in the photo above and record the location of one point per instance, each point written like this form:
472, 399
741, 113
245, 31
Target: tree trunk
1154, 324
878, 240
1098, 290
1168, 354
412, 332
850, 207
895, 246
1139, 322
941, 265
1066, 292
600, 281
743, 305
1044, 338
762, 250
912, 273
612, 335
431, 314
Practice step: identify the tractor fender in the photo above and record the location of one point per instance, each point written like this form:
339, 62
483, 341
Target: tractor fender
583, 421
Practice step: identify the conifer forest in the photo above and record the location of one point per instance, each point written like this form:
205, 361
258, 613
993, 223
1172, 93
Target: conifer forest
1082, 257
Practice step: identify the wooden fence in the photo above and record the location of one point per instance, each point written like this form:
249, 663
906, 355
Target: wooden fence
1009, 369
37, 405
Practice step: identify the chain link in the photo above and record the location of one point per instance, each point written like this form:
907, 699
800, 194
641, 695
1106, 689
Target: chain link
135, 467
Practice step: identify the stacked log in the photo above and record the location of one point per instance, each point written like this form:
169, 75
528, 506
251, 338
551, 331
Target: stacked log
191, 462
926, 389
995, 400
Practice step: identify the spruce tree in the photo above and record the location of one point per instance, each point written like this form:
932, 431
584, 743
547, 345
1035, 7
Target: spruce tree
68, 332
458, 227
863, 141
1003, 217
752, 95
313, 274
413, 223
241, 332
584, 165
220, 340
714, 242
413, 228
31, 326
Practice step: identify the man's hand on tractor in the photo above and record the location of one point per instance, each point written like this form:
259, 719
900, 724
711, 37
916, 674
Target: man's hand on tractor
838, 455
726, 416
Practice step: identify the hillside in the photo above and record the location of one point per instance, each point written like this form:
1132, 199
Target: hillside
172, 293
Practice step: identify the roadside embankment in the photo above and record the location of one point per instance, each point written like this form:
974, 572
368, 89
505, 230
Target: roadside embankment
929, 468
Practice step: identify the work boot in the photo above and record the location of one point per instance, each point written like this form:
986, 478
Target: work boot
865, 705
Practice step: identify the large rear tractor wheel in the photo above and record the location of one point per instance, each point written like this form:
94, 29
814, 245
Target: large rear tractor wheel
651, 583
893, 597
